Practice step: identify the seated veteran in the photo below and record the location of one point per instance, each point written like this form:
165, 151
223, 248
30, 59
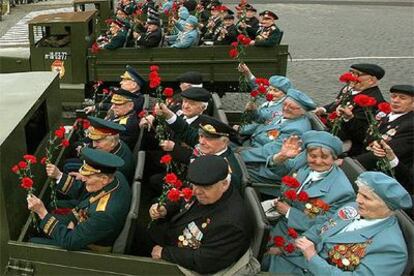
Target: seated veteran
152, 36
211, 138
250, 25
99, 217
210, 232
292, 122
118, 36
213, 23
104, 135
189, 36
322, 183
122, 112
362, 238
128, 6
268, 111
292, 119
268, 35
179, 25
396, 128
131, 81
227, 32
355, 124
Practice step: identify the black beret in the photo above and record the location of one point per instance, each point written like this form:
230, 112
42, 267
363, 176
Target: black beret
403, 89
198, 94
192, 77
97, 161
207, 170
370, 69
228, 16
214, 128
268, 13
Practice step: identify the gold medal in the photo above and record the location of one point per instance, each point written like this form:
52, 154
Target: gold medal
181, 238
345, 262
204, 225
308, 206
185, 242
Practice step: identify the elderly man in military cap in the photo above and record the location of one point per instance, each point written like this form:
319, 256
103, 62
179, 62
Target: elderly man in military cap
355, 125
210, 232
250, 24
123, 113
118, 35
269, 34
152, 36
396, 128
363, 238
104, 135
97, 220
292, 122
131, 81
227, 32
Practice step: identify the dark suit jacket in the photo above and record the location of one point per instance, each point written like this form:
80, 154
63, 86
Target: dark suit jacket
230, 37
356, 128
150, 39
225, 238
252, 27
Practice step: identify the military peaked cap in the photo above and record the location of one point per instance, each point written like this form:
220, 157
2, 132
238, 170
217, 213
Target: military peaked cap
132, 74
121, 96
101, 128
268, 13
97, 161
214, 128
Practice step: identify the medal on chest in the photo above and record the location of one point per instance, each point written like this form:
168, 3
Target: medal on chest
347, 256
192, 235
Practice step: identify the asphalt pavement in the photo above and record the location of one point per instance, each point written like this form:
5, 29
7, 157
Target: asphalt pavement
325, 37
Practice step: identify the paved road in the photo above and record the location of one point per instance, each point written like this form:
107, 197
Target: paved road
325, 39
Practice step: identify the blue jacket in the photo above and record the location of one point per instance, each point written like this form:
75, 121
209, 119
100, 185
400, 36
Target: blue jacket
385, 254
186, 39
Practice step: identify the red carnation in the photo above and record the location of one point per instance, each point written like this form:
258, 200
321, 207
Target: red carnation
86, 124
173, 195
30, 158
233, 53
106, 91
292, 233
262, 82
254, 93
290, 181
303, 196
15, 169
153, 75
269, 97
262, 89
241, 37
187, 193
95, 48
154, 68
289, 248
65, 143
155, 82
43, 160
59, 133
171, 178
246, 41
290, 194
168, 92
234, 44
364, 100
22, 164
166, 159
332, 116
279, 241
348, 77
26, 183
178, 184
142, 114
384, 107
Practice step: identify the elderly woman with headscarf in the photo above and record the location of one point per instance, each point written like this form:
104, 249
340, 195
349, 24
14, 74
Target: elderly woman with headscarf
323, 189
362, 238
189, 36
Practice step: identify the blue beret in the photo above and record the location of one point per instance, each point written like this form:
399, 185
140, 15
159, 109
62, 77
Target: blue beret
207, 170
192, 20
133, 74
280, 82
301, 98
370, 69
98, 161
314, 138
403, 89
387, 188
